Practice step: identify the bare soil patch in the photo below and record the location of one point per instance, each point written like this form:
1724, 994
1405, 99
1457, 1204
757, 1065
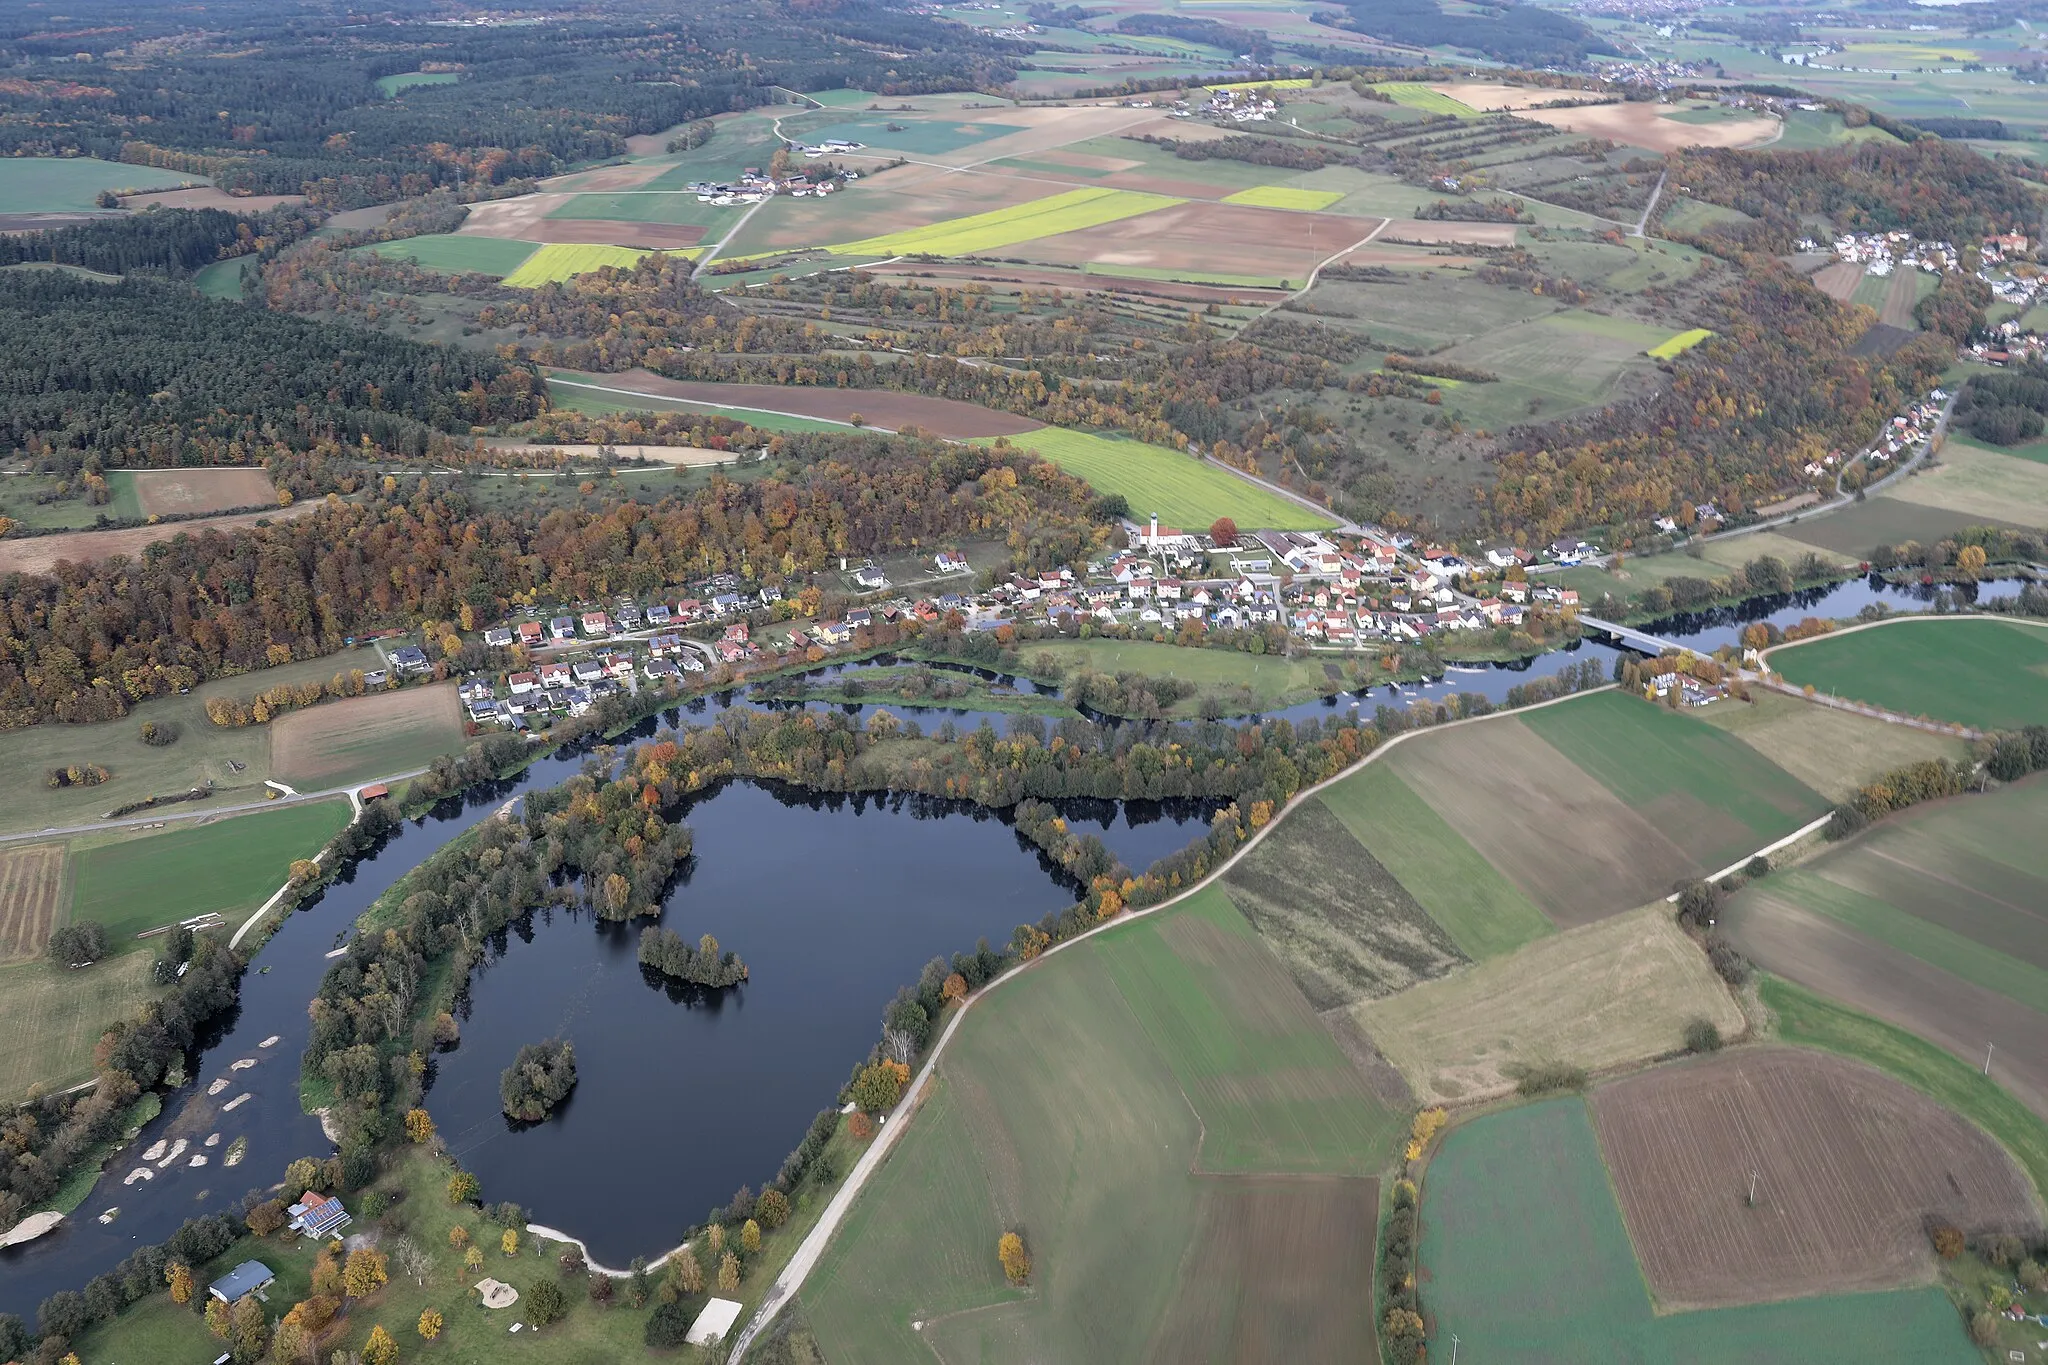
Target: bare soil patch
1838, 281
1488, 96
1573, 846
1826, 955
879, 407
1274, 1273
614, 232
1396, 256
40, 554
206, 197
1850, 1167
520, 217
628, 177
364, 737
1637, 125
168, 492
677, 455
31, 892
1208, 237
1898, 303
1470, 234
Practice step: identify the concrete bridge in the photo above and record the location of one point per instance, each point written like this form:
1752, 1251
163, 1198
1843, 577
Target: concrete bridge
1630, 636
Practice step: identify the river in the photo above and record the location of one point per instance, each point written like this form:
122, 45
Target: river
833, 902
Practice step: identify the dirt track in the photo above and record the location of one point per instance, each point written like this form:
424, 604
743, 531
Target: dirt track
1850, 1165
39, 554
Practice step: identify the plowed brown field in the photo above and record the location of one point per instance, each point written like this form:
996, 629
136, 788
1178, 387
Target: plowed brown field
1850, 1166
1212, 238
163, 492
31, 889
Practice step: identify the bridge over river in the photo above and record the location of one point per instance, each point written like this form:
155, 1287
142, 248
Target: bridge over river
1628, 635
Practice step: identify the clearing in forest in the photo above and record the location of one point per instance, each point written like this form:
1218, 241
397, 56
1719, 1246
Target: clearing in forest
170, 492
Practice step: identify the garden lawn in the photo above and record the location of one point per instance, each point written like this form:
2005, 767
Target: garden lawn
1536, 1267
1179, 489
230, 866
1987, 673
1081, 1102
1713, 795
1069, 212
451, 254
1485, 914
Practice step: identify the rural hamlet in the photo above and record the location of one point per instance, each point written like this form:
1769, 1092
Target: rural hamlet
940, 680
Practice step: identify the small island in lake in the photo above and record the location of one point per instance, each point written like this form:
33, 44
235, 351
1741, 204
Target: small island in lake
540, 1077
666, 952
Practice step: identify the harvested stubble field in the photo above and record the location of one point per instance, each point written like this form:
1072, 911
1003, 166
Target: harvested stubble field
1850, 1165
1987, 485
40, 554
1209, 237
1484, 913
1344, 927
31, 894
1178, 1040
1834, 752
360, 738
1983, 672
167, 492
1176, 487
1540, 1271
51, 1017
1635, 124
1618, 991
1931, 920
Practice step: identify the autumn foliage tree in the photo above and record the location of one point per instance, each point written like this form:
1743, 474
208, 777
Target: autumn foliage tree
380, 1349
364, 1273
430, 1324
179, 1276
419, 1125
1016, 1260
1223, 531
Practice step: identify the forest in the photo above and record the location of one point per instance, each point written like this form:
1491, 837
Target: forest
92, 640
1518, 35
2005, 408
161, 241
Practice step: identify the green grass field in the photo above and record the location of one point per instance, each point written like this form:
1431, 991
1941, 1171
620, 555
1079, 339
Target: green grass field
1669, 767
450, 254
1272, 681
43, 184
1068, 212
222, 279
407, 80
231, 866
1417, 96
675, 207
1990, 674
1539, 1269
1281, 197
51, 1016
557, 261
1811, 1020
1194, 1055
1180, 490
599, 403
1485, 914
1680, 344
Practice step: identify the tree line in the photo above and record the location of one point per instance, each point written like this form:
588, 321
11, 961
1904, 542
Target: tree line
173, 242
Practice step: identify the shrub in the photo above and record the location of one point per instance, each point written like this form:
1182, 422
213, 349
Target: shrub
1757, 868
546, 1303
1728, 960
667, 1326
81, 942
1698, 902
1948, 1242
160, 732
1702, 1036
1016, 1260
1548, 1078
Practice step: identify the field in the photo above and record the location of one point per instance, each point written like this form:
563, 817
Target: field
982, 232
221, 280
37, 184
1344, 927
556, 261
453, 254
1268, 679
229, 865
1602, 995
887, 408
1982, 483
1411, 95
1850, 1168
1833, 752
1540, 1271
1930, 920
31, 893
1484, 913
360, 738
678, 208
1680, 344
172, 492
1567, 361
51, 1017
1987, 673
1281, 197
1179, 489
1214, 1175
40, 554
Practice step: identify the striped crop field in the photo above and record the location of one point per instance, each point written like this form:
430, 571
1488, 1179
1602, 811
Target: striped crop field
1415, 95
1282, 197
1680, 344
1069, 212
564, 260
1181, 490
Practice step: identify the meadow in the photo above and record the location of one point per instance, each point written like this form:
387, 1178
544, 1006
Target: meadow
1542, 1270
1981, 482
1271, 679
678, 207
1988, 673
452, 254
1179, 489
230, 866
1833, 752
1412, 95
42, 184
981, 232
1607, 994
1146, 1209
358, 739
558, 261
51, 1017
